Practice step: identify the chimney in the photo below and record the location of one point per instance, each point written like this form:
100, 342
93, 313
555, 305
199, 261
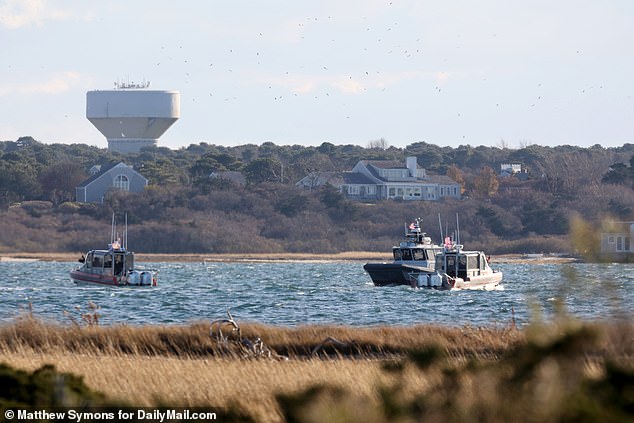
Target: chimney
412, 166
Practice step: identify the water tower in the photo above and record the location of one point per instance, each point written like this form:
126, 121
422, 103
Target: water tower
132, 116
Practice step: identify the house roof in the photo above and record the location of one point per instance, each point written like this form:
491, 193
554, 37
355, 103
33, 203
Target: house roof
334, 178
356, 178
441, 179
103, 170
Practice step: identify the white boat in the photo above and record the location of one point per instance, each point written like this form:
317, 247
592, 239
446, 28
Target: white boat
456, 268
112, 267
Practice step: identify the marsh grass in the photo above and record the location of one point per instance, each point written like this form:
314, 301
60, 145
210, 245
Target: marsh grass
373, 374
194, 340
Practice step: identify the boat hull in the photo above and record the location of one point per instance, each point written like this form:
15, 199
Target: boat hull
490, 281
85, 278
389, 274
95, 279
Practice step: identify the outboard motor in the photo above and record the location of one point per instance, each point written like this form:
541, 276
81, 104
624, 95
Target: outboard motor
435, 280
146, 278
134, 278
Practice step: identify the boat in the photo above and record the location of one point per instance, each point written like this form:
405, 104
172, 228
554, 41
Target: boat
420, 263
114, 266
416, 254
456, 268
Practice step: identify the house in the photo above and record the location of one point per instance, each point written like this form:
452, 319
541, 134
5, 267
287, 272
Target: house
371, 180
508, 169
617, 242
115, 176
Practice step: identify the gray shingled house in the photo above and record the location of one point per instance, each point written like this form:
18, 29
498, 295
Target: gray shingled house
372, 180
116, 176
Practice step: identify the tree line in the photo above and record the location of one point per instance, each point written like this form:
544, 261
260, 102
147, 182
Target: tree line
184, 210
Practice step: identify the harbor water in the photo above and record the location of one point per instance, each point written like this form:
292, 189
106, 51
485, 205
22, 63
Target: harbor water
300, 293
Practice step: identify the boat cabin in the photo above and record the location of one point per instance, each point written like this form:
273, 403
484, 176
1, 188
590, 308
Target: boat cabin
416, 247
109, 262
462, 264
408, 253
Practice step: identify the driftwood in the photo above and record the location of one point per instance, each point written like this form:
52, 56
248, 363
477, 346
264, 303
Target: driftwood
250, 348
328, 341
220, 323
228, 336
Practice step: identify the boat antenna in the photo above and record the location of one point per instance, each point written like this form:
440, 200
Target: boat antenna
125, 234
457, 229
442, 238
113, 229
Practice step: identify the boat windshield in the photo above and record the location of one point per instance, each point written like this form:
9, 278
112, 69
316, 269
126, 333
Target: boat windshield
419, 254
407, 253
402, 254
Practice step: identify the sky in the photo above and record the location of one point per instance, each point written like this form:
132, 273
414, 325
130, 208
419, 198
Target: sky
505, 73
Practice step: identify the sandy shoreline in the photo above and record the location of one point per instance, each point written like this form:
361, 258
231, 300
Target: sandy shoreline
274, 257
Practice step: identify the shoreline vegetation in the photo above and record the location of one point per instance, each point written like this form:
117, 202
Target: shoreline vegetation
566, 370
276, 257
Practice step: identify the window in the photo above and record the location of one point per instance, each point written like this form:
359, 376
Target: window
122, 182
611, 239
419, 254
407, 253
622, 243
392, 192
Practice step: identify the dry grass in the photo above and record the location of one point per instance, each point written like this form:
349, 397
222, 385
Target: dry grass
194, 341
184, 366
249, 384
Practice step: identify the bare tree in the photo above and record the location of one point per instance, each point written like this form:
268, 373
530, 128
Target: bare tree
380, 144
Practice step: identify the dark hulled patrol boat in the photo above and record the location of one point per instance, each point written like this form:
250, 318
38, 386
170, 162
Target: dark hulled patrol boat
415, 254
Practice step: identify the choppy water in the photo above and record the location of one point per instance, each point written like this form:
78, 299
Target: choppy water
316, 293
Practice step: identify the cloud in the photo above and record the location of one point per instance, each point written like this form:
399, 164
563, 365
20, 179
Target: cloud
56, 84
15, 14
348, 86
